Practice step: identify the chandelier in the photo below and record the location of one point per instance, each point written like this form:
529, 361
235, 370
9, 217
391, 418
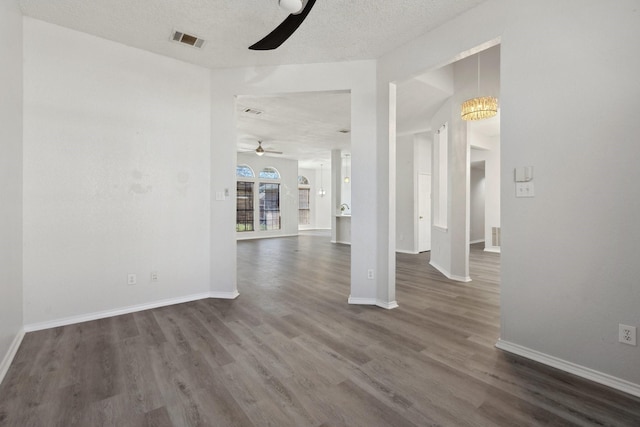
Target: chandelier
481, 107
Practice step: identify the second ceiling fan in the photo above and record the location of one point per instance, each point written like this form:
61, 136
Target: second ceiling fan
260, 151
283, 31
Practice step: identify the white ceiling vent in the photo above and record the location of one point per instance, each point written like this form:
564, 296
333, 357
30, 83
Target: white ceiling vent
187, 39
252, 111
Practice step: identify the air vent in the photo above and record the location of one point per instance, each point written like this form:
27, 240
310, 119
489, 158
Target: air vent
187, 39
344, 131
252, 111
495, 236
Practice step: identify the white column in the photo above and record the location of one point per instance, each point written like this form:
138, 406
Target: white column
336, 189
223, 191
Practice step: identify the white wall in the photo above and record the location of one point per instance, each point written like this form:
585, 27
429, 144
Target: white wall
288, 170
10, 182
442, 241
116, 175
422, 144
320, 206
490, 154
582, 227
477, 202
322, 211
345, 187
569, 268
406, 181
413, 157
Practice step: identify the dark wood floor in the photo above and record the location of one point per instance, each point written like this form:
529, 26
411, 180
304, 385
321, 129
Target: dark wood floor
291, 352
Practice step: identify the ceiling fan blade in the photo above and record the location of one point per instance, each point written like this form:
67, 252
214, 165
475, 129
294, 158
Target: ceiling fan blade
273, 152
283, 31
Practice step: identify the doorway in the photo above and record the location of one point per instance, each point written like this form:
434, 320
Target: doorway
424, 212
477, 202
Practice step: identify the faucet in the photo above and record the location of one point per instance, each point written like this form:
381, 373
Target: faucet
344, 207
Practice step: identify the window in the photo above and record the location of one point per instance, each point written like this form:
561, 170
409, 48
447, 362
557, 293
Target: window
441, 166
269, 195
244, 206
269, 173
304, 213
265, 205
244, 171
304, 193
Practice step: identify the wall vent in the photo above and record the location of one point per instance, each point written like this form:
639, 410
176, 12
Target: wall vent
252, 111
495, 236
187, 39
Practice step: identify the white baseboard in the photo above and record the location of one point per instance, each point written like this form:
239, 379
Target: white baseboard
126, 310
387, 305
493, 249
224, 295
563, 365
402, 251
373, 301
448, 275
8, 358
362, 301
476, 241
241, 236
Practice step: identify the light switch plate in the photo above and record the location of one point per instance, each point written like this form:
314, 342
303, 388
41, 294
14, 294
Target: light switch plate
525, 189
523, 174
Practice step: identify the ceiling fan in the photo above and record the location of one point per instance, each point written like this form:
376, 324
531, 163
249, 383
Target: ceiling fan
260, 151
283, 31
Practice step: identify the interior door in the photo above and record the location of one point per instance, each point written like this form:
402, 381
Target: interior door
424, 212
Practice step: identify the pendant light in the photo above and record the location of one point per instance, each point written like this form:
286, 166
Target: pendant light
346, 162
321, 192
481, 107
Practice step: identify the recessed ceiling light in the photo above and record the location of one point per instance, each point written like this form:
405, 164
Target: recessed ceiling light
344, 131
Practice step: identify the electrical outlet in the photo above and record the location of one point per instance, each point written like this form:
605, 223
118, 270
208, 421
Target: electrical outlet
525, 189
627, 334
154, 276
131, 279
370, 274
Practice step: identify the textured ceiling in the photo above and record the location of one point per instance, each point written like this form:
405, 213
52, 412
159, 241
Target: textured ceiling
303, 126
306, 127
335, 30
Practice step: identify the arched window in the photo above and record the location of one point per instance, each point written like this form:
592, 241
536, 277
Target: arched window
244, 171
269, 173
304, 196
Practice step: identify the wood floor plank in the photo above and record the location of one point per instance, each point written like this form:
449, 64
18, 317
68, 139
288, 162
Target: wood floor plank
290, 351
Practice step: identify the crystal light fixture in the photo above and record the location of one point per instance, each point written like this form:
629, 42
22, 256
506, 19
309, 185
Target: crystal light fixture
481, 107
